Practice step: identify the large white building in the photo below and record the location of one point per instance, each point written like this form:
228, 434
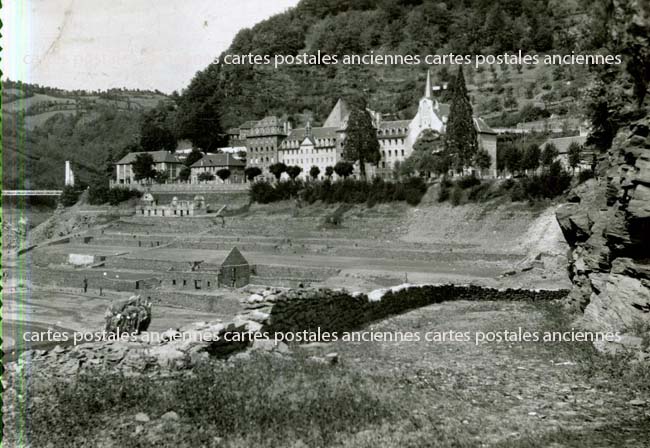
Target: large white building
323, 146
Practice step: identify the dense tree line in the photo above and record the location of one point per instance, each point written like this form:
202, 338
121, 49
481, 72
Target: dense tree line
345, 190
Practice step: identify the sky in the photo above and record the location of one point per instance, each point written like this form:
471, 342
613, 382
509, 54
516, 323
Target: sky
99, 44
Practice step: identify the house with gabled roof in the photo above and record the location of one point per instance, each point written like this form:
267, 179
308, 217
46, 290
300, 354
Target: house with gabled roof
163, 161
213, 163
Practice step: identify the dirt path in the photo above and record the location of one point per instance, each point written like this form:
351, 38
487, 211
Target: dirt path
508, 394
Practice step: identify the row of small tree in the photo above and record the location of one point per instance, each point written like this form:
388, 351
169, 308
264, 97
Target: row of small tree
530, 159
342, 169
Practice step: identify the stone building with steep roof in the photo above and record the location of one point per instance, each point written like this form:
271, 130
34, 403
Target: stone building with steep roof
234, 271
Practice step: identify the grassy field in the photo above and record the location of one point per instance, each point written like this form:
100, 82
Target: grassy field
389, 394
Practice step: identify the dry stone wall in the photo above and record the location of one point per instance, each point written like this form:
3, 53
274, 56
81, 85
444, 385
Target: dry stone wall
330, 310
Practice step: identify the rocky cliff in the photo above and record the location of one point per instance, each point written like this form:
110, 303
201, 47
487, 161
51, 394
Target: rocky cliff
607, 223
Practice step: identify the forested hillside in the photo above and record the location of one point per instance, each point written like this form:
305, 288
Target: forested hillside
243, 92
44, 126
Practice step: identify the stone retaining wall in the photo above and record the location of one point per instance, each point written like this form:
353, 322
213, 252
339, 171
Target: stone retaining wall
96, 279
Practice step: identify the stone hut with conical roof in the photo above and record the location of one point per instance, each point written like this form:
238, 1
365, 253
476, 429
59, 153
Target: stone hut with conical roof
234, 271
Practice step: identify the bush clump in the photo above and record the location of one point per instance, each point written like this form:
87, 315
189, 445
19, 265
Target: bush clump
101, 194
70, 195
585, 175
349, 191
552, 182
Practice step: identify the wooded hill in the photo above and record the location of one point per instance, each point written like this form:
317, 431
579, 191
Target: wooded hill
244, 92
42, 127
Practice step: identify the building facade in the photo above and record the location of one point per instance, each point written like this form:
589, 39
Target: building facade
213, 163
163, 161
263, 139
270, 140
149, 207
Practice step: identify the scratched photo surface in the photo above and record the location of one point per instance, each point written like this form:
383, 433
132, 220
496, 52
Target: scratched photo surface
326, 223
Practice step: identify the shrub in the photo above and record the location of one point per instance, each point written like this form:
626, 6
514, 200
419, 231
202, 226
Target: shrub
336, 218
468, 181
456, 195
262, 192
414, 189
584, 176
117, 195
350, 191
252, 172
223, 174
479, 192
69, 196
205, 176
445, 189
98, 194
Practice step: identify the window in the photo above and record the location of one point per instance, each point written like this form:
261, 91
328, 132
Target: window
174, 282
184, 282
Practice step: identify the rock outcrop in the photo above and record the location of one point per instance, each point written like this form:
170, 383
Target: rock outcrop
609, 235
132, 315
607, 225
148, 353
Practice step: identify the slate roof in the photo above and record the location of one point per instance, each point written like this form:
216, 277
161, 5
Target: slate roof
234, 258
158, 157
339, 115
219, 159
399, 124
317, 133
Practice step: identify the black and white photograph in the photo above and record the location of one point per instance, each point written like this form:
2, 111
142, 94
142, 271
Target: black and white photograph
325, 223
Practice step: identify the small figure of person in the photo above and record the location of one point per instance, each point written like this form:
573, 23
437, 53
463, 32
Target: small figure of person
85, 285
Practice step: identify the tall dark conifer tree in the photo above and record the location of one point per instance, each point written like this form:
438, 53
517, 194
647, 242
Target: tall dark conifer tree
461, 141
361, 143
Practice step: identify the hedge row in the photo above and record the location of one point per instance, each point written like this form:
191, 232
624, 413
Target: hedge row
350, 191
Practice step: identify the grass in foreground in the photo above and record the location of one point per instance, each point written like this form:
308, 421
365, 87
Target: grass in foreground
262, 402
290, 402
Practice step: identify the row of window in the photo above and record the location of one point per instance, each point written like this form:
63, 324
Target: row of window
313, 151
262, 149
197, 283
392, 131
315, 160
388, 142
319, 142
390, 153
